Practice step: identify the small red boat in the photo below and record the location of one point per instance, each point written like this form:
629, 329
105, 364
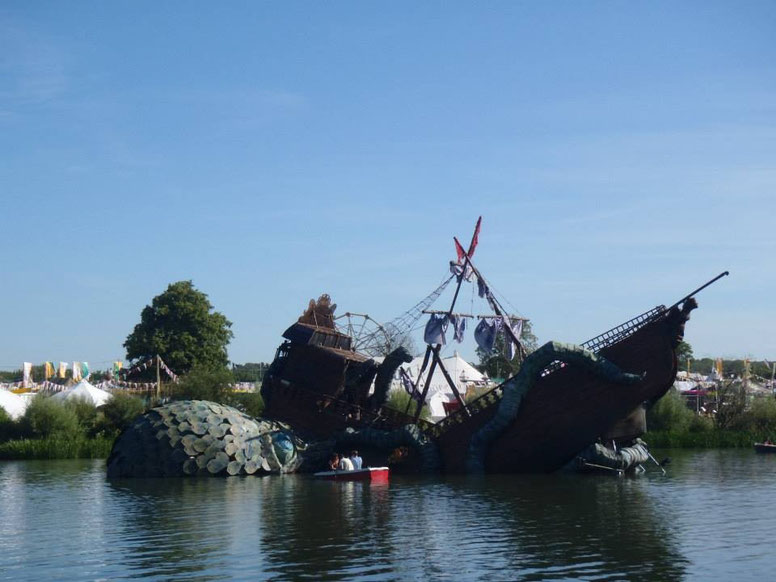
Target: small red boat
373, 474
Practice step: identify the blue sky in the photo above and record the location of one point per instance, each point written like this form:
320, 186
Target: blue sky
620, 154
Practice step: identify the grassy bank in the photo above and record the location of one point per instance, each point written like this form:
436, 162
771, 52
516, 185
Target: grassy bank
52, 429
56, 448
709, 439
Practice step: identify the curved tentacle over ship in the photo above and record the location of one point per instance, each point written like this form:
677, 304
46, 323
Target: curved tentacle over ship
570, 407
519, 385
385, 373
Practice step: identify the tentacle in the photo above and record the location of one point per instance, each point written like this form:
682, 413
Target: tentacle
517, 387
405, 436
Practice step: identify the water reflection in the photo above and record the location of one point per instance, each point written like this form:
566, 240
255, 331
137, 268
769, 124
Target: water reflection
584, 527
327, 530
172, 526
65, 520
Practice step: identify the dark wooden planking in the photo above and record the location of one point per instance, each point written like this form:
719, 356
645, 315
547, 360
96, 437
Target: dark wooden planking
570, 408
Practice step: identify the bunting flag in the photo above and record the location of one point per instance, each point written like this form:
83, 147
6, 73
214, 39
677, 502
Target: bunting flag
27, 374
141, 367
167, 370
49, 370
52, 386
123, 385
76, 371
63, 370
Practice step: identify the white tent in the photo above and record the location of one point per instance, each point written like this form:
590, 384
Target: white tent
85, 391
461, 372
12, 403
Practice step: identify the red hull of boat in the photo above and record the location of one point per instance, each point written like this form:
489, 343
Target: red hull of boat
373, 474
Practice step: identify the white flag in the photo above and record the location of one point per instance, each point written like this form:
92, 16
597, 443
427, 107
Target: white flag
27, 377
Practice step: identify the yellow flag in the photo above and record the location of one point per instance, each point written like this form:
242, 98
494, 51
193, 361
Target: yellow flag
49, 370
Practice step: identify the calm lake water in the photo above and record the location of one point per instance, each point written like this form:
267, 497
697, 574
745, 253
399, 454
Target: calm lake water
711, 518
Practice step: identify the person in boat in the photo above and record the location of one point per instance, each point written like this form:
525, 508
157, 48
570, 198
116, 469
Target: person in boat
334, 462
345, 464
356, 460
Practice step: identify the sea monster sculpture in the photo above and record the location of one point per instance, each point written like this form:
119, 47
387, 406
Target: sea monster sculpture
197, 437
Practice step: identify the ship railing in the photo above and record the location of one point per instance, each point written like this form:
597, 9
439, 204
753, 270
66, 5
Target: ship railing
596, 344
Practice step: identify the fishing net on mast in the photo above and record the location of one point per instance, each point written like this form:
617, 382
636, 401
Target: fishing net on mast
376, 340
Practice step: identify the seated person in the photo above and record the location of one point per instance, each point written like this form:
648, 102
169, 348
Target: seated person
334, 462
356, 460
345, 464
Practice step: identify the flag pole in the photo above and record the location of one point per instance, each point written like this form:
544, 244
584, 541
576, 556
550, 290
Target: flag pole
158, 380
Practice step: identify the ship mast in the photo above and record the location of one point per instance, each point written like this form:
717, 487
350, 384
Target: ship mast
432, 352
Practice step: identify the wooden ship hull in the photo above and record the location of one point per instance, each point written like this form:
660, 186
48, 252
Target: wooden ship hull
563, 398
567, 408
570, 407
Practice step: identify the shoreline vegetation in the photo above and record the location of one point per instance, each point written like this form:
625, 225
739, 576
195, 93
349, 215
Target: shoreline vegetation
712, 439
740, 421
76, 429
56, 448
51, 429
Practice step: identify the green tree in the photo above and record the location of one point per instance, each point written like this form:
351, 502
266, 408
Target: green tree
399, 400
119, 412
181, 327
496, 365
684, 351
670, 413
202, 383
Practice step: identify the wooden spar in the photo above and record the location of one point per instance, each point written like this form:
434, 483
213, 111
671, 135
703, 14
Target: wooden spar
420, 377
699, 289
435, 351
158, 380
437, 347
471, 315
452, 384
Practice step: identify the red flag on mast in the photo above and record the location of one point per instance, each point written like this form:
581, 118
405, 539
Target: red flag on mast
475, 238
459, 251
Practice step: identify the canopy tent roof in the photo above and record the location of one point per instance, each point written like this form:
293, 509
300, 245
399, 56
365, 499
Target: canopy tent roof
85, 391
461, 372
12, 403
